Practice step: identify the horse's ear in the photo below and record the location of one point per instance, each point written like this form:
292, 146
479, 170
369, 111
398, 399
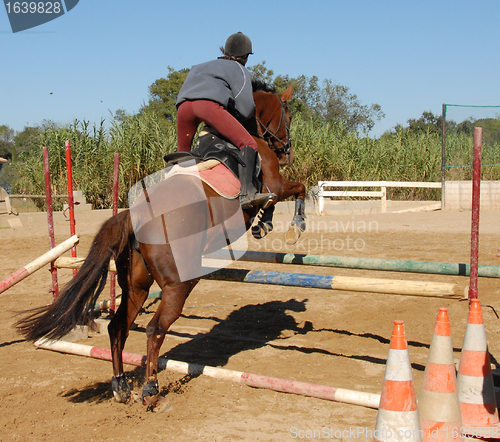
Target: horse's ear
285, 96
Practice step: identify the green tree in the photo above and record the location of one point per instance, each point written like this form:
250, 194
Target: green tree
336, 103
306, 95
260, 72
6, 142
325, 101
26, 141
491, 129
120, 116
465, 127
428, 122
163, 94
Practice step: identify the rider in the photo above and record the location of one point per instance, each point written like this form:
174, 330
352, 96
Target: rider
219, 93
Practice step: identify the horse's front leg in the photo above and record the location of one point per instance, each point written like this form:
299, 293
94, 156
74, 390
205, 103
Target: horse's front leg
135, 287
298, 224
169, 310
283, 188
265, 223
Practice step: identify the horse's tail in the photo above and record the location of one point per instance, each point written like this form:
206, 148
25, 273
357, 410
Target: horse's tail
75, 303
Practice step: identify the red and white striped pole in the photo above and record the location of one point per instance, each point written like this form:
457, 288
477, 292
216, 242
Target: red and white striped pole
50, 218
71, 201
112, 275
474, 241
370, 400
38, 263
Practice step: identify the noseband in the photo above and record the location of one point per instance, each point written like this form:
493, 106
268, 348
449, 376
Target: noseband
271, 137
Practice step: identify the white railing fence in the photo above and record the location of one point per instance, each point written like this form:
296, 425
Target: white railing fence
382, 193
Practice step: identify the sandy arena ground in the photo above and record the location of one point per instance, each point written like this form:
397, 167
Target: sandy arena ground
335, 338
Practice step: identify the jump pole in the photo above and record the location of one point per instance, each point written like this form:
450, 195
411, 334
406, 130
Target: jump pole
50, 217
38, 263
474, 241
391, 265
71, 200
356, 284
353, 397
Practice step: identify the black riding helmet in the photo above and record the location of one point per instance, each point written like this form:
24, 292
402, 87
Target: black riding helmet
238, 45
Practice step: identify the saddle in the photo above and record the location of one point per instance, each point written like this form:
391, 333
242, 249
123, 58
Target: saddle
210, 145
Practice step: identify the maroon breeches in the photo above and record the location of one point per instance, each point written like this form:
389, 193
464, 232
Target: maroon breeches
192, 113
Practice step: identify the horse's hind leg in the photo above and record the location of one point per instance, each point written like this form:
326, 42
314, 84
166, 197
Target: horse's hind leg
170, 308
135, 287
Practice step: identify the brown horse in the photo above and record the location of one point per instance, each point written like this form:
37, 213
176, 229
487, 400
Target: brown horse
141, 261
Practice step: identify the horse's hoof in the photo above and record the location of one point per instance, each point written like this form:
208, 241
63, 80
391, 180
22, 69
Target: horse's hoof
150, 393
299, 222
292, 235
150, 401
121, 388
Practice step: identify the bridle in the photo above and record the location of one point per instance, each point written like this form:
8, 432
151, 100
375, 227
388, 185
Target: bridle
271, 137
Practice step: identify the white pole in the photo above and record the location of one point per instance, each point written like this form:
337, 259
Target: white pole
370, 400
38, 263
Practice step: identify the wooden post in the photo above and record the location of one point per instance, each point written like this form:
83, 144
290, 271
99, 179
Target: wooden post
474, 242
50, 218
71, 201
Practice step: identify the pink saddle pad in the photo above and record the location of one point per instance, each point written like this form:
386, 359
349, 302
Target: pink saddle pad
222, 180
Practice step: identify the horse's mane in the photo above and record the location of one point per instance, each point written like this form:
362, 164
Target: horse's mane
261, 86
257, 86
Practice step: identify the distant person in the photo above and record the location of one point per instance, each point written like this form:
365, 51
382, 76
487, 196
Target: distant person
219, 93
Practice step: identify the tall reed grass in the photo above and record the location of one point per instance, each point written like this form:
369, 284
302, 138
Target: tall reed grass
322, 152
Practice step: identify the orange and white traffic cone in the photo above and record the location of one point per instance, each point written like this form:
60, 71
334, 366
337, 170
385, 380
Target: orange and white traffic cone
397, 417
438, 405
476, 391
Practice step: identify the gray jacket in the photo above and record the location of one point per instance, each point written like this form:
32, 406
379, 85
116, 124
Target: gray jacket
226, 82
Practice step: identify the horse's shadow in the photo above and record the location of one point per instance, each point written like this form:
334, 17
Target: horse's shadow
247, 328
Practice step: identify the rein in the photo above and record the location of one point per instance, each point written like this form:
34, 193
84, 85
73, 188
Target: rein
270, 137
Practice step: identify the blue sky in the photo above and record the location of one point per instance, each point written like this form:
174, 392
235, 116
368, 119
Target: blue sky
407, 56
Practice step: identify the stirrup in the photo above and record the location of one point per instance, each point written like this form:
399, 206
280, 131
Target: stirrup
259, 199
264, 199
271, 199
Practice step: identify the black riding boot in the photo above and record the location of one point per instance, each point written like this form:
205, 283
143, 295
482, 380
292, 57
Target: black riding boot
249, 195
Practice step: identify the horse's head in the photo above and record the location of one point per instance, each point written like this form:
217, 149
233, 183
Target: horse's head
273, 122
